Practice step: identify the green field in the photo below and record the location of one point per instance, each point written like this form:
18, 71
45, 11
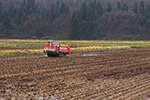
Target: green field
13, 47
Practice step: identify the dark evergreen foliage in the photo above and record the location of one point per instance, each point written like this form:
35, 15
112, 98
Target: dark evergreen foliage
142, 8
118, 5
135, 8
109, 7
75, 26
125, 7
1, 9
64, 9
87, 19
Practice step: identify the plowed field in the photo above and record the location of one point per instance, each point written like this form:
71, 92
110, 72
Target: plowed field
104, 75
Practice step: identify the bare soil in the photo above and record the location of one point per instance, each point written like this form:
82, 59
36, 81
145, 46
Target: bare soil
104, 75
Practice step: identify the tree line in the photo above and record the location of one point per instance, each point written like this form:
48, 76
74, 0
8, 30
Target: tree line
90, 20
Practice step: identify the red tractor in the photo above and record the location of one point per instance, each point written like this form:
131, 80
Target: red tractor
56, 49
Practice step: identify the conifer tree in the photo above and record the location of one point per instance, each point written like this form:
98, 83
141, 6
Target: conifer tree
135, 8
20, 16
109, 7
118, 5
148, 10
99, 9
1, 9
84, 11
32, 7
7, 25
64, 9
75, 26
125, 7
90, 15
12, 11
142, 8
147, 17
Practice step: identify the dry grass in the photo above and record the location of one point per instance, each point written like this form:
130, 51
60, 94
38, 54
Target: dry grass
20, 52
97, 48
17, 47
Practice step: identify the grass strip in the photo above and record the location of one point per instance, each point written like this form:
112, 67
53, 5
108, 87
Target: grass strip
40, 51
19, 52
15, 47
72, 43
97, 48
140, 46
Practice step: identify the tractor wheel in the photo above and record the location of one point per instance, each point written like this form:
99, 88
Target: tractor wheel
64, 54
48, 54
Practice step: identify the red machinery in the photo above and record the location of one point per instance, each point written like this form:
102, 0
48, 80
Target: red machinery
56, 49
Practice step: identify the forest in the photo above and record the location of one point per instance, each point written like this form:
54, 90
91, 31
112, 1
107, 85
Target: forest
75, 19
